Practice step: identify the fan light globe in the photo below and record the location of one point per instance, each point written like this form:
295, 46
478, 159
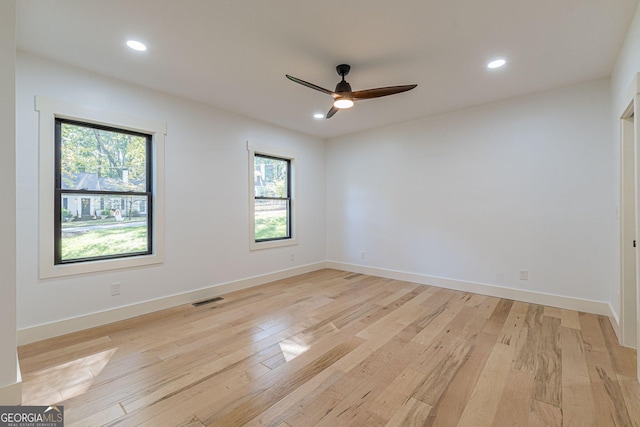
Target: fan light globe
343, 103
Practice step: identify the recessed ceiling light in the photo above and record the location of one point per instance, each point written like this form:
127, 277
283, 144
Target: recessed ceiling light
136, 45
318, 116
496, 63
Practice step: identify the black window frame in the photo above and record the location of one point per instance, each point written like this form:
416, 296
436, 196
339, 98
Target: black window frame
59, 191
288, 199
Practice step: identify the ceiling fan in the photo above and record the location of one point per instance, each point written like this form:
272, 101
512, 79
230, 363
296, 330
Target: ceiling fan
344, 97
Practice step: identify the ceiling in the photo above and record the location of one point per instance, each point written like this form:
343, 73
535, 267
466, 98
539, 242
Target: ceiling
234, 54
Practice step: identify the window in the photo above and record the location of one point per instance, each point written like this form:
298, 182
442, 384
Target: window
272, 203
272, 216
101, 189
98, 166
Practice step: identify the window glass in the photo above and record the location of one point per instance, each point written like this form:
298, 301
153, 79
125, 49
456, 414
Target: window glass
272, 203
102, 192
99, 159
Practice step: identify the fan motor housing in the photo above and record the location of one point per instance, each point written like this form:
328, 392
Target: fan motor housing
343, 86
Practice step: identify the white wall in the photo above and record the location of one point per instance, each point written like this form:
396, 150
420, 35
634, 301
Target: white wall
627, 64
476, 195
622, 76
9, 394
207, 223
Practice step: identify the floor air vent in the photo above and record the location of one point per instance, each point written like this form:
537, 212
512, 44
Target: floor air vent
207, 301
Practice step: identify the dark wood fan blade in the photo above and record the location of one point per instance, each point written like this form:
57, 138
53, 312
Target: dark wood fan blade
381, 91
310, 85
331, 112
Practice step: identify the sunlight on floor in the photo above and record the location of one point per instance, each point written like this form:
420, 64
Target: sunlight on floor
62, 382
292, 348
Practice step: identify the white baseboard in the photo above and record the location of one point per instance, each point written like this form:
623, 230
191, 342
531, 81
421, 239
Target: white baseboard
54, 329
66, 326
588, 306
615, 323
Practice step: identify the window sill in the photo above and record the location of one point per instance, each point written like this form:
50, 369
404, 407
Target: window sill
98, 266
254, 246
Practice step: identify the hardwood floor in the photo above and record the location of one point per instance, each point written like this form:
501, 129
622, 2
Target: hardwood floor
332, 348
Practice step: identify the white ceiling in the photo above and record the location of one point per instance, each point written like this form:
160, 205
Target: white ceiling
235, 53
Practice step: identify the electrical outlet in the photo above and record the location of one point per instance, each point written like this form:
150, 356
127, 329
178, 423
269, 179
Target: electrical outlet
524, 274
115, 289
363, 255
292, 256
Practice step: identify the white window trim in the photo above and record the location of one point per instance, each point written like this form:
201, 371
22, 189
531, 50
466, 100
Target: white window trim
49, 110
267, 150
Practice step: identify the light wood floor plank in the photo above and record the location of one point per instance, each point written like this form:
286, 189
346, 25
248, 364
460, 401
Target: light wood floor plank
445, 358
630, 391
570, 319
98, 418
544, 415
607, 395
622, 358
451, 404
397, 392
412, 413
301, 397
268, 392
483, 404
516, 399
530, 341
577, 400
548, 370
333, 348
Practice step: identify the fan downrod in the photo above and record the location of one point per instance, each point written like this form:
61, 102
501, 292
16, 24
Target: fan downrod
343, 70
